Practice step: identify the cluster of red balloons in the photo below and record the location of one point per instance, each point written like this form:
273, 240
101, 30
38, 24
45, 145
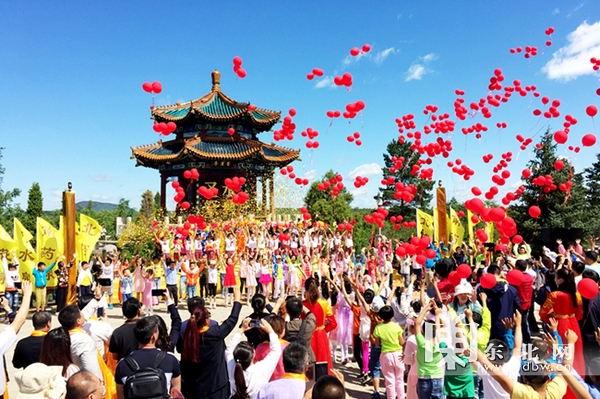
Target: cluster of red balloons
180, 194
419, 247
344, 80
192, 174
237, 67
495, 80
407, 122
354, 138
501, 125
305, 214
478, 128
405, 192
377, 217
595, 63
311, 134
315, 72
239, 198
354, 51
530, 51
197, 220
335, 183
345, 226
235, 183
287, 128
333, 114
398, 163
154, 87
461, 169
164, 128
208, 193
524, 141
353, 108
360, 181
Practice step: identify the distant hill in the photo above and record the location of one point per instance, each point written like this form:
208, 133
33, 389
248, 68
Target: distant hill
96, 206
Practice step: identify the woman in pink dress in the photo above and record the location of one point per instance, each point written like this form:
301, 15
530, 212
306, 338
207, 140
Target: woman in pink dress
147, 301
138, 279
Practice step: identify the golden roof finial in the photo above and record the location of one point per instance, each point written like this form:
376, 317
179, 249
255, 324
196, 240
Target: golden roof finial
216, 80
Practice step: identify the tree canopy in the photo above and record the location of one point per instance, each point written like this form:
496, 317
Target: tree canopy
324, 207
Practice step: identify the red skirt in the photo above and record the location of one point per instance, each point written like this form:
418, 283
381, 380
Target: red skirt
320, 347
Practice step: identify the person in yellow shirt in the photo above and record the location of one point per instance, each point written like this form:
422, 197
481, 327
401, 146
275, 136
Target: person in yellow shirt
85, 279
157, 268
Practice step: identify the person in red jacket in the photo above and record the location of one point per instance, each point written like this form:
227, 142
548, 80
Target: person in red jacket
525, 291
326, 321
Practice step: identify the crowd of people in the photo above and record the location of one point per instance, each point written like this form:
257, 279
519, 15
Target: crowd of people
318, 307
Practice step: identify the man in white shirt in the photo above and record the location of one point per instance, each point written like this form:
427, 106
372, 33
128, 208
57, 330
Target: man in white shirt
83, 349
8, 337
96, 327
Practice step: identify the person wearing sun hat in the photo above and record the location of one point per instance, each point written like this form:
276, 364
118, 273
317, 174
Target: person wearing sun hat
39, 381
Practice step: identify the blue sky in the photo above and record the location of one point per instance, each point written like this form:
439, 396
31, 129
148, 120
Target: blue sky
71, 75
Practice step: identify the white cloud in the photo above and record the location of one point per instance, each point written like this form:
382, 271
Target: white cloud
310, 175
429, 57
327, 81
556, 11
575, 9
362, 199
365, 170
350, 59
572, 60
415, 72
382, 55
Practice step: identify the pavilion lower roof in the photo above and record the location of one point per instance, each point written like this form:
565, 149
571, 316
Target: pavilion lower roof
216, 148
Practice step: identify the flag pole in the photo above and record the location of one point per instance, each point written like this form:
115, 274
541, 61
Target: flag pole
69, 212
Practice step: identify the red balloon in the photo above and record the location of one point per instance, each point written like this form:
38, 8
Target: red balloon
237, 61
231, 131
171, 127
476, 191
366, 48
187, 174
559, 165
561, 137
514, 277
464, 271
591, 110
535, 211
156, 87
185, 205
588, 140
241, 73
477, 205
354, 51
292, 112
147, 87
587, 288
517, 239
488, 280
421, 259
454, 278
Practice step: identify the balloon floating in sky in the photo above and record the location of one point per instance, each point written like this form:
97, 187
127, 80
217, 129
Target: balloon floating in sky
154, 87
237, 67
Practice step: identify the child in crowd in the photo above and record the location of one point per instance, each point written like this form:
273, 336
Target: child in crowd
192, 274
41, 280
126, 283
147, 299
230, 280
389, 336
213, 275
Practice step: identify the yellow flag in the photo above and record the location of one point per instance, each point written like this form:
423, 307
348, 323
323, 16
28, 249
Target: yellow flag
424, 223
456, 228
49, 246
470, 225
25, 251
489, 229
7, 242
87, 237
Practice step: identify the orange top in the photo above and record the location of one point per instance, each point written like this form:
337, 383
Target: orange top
191, 276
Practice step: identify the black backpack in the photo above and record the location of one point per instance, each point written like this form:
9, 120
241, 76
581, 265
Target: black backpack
147, 383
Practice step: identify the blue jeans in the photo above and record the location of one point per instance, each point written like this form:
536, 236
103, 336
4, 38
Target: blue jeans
13, 299
125, 297
156, 283
191, 291
374, 363
477, 381
430, 388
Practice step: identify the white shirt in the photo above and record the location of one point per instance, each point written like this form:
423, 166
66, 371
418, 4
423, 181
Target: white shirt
491, 387
257, 374
212, 275
108, 272
8, 338
100, 332
230, 244
85, 354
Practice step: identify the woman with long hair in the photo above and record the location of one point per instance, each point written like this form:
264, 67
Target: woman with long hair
325, 321
203, 363
246, 376
565, 305
259, 304
56, 351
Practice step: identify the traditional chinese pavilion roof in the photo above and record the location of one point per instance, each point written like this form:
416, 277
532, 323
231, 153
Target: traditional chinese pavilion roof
216, 107
217, 148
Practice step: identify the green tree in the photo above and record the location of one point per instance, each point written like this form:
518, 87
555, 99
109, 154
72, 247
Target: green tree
137, 238
157, 201
123, 209
558, 208
34, 210
147, 206
8, 209
592, 180
322, 206
397, 206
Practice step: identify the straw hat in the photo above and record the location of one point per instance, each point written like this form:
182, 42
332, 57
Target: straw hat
39, 381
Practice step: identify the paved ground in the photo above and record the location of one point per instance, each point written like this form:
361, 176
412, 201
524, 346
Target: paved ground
115, 319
